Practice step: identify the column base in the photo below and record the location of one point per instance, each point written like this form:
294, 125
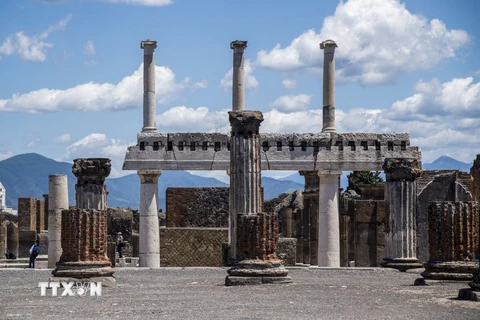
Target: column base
450, 270
251, 272
469, 294
149, 260
402, 264
83, 269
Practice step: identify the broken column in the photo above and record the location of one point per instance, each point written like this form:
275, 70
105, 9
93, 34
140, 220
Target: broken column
58, 201
328, 219
400, 198
310, 213
149, 112
255, 237
238, 87
328, 85
84, 228
453, 237
149, 234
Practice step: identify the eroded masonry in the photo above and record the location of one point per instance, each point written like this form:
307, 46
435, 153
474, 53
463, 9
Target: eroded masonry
325, 154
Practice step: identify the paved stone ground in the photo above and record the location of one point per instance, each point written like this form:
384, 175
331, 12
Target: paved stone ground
199, 293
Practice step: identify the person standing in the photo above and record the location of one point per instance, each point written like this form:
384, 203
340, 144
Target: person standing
34, 251
120, 245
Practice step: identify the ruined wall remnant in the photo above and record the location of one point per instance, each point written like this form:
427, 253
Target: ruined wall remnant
27, 213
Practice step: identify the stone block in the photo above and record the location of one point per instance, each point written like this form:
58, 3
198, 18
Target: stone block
287, 249
197, 207
469, 294
43, 238
111, 253
27, 214
40, 215
12, 238
26, 239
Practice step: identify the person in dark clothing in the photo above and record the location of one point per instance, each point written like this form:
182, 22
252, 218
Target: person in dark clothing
120, 245
34, 251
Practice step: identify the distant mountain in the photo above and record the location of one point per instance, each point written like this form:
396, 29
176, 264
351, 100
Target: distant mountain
26, 175
447, 163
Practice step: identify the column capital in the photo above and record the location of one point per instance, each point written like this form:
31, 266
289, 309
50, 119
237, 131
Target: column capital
238, 45
397, 169
149, 176
245, 122
91, 170
148, 44
329, 172
328, 45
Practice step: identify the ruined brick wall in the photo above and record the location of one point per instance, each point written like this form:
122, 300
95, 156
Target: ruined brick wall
27, 213
120, 220
40, 215
438, 185
192, 247
197, 207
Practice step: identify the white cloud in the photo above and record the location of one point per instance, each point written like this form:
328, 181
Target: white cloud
180, 118
32, 48
33, 142
90, 63
152, 3
97, 145
289, 83
477, 73
5, 155
89, 48
292, 103
250, 80
91, 96
377, 40
62, 138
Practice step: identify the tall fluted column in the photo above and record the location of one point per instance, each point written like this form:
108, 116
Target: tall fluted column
84, 228
328, 85
149, 233
400, 197
57, 201
255, 233
328, 220
149, 112
238, 87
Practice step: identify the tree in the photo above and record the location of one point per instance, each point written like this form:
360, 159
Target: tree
359, 178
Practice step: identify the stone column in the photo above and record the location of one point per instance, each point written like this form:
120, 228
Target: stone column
400, 200
310, 209
453, 235
328, 85
238, 87
84, 228
255, 238
149, 233
149, 103
328, 219
57, 201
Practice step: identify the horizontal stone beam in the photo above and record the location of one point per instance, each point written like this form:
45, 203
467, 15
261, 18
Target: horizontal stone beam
279, 151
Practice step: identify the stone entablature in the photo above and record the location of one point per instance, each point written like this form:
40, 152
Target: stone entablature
279, 151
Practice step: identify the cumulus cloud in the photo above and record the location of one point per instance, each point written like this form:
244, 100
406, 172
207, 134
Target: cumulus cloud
289, 83
91, 96
5, 155
62, 138
250, 80
292, 103
33, 142
180, 118
31, 48
377, 40
89, 48
97, 145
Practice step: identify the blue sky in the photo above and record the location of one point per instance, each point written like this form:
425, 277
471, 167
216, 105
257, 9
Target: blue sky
70, 71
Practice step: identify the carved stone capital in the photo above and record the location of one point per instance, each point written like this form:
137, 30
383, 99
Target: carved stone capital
91, 170
149, 176
245, 123
329, 46
397, 169
238, 45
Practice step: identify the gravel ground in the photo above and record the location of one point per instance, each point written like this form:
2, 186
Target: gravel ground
199, 293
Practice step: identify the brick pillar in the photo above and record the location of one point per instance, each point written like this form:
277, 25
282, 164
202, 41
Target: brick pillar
255, 234
453, 237
400, 198
84, 229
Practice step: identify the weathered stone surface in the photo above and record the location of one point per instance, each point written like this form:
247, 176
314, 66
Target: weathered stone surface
257, 236
402, 169
469, 294
27, 213
3, 238
57, 201
40, 215
197, 207
13, 238
120, 220
238, 93
328, 85
91, 171
286, 251
43, 238
111, 253
192, 247
149, 110
26, 239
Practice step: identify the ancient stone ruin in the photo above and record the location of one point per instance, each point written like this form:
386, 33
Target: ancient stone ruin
84, 228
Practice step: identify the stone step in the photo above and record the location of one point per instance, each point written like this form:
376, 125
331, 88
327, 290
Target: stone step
13, 265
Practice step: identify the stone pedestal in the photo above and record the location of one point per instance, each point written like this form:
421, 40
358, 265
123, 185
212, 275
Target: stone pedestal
57, 201
149, 236
400, 198
453, 238
328, 220
254, 233
84, 229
